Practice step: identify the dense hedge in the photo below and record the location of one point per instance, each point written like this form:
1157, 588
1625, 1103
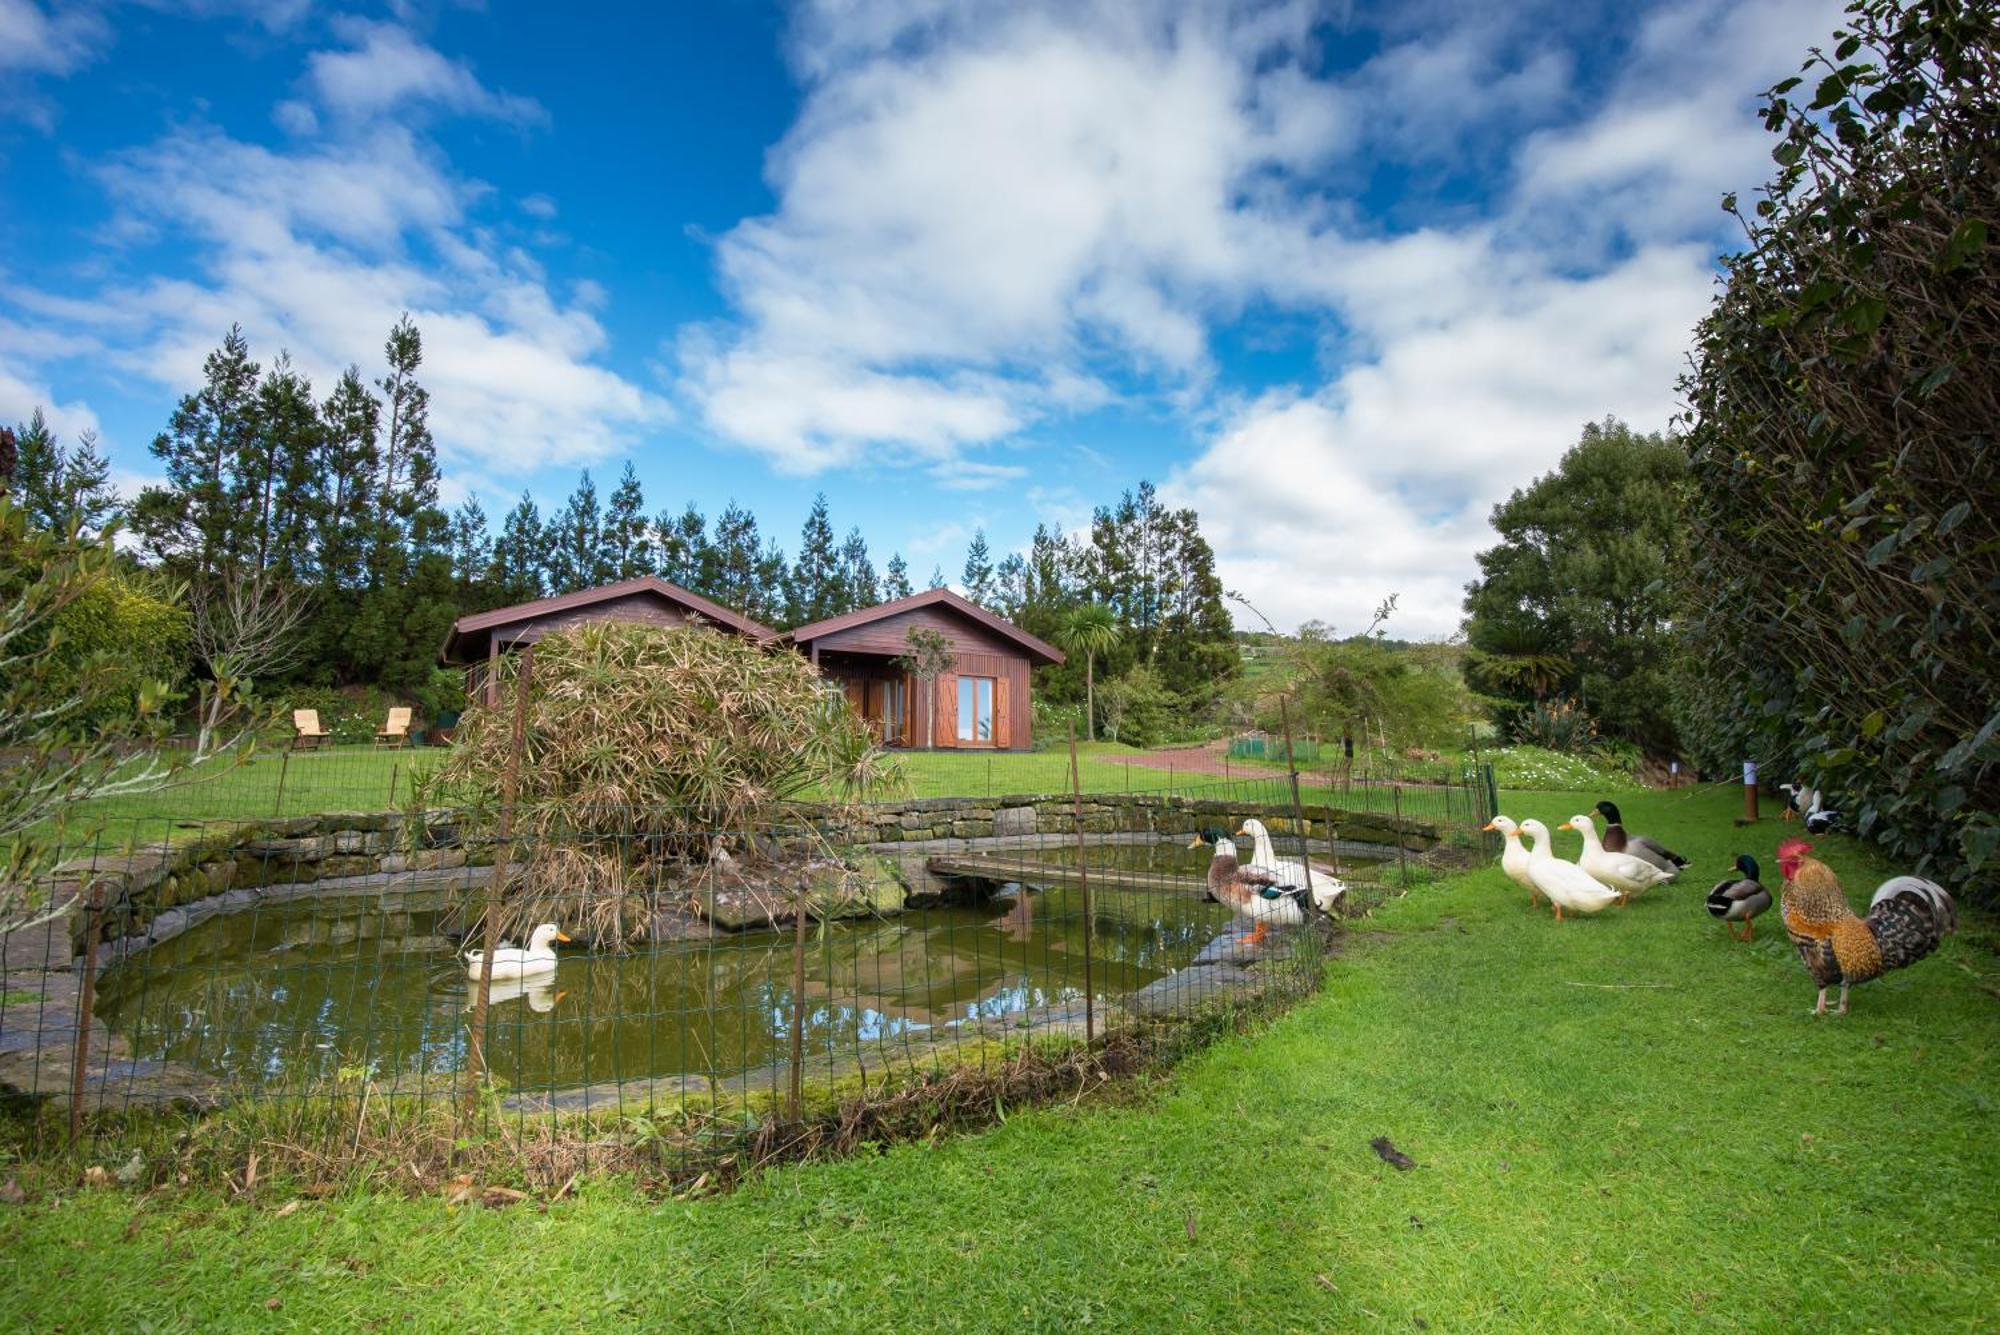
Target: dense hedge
1846, 527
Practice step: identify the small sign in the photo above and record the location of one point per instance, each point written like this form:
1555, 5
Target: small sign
1749, 774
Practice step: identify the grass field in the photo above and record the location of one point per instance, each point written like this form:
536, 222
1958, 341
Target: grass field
1627, 1122
280, 783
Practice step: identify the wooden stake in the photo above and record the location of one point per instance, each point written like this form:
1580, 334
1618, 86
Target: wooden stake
510, 787
1083, 881
1749, 792
86, 1005
1298, 807
284, 768
799, 1004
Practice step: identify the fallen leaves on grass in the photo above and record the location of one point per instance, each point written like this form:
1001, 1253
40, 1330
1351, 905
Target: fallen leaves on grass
1389, 1154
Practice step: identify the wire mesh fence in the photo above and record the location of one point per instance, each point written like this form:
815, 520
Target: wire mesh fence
307, 980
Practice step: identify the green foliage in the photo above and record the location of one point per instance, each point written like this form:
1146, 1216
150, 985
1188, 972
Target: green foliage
637, 730
1139, 710
1396, 696
126, 635
1574, 598
1540, 769
351, 713
1846, 540
1557, 725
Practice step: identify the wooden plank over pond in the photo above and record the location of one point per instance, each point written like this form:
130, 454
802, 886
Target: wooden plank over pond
1050, 875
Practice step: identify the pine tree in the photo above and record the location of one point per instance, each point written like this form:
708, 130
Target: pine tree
1010, 585
519, 555
275, 488
38, 473
978, 576
738, 558
896, 579
471, 549
576, 542
408, 490
628, 548
858, 585
814, 587
351, 421
87, 488
407, 604
190, 522
937, 578
686, 558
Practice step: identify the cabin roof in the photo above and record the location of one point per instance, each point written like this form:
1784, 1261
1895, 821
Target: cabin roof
1030, 645
478, 623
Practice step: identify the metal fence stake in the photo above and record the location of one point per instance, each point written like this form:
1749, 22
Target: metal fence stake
394, 766
284, 768
1083, 884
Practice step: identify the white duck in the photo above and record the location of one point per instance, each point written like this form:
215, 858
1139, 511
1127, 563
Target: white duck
1567, 885
1514, 857
516, 962
1626, 873
1326, 887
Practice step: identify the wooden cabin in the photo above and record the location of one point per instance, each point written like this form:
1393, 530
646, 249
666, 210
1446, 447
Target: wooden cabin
477, 641
984, 703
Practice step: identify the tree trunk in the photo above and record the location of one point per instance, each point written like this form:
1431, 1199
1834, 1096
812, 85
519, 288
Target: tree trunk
1090, 697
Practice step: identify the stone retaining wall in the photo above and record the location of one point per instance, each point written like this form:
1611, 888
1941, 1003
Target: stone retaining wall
140, 886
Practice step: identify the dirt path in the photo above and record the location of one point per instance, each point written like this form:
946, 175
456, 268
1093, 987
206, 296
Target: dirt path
1210, 759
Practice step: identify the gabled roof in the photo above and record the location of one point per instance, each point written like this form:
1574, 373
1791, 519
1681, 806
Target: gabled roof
467, 626
1035, 648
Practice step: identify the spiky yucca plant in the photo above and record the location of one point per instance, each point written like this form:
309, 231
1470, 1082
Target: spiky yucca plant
651, 731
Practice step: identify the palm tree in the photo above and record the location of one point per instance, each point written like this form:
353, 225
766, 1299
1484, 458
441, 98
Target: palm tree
1089, 629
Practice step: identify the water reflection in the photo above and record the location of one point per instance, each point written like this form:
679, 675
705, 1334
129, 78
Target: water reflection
279, 997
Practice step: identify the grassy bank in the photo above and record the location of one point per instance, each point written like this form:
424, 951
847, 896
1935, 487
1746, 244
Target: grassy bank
1627, 1122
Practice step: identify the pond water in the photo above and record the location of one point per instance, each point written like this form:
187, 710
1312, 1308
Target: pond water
284, 998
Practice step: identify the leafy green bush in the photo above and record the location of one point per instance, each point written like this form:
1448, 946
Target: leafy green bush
1137, 708
132, 631
1556, 725
352, 714
1846, 539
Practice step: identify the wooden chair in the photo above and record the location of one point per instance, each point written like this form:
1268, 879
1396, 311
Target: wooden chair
395, 730
306, 732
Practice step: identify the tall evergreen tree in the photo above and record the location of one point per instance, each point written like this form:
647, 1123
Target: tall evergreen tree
814, 592
471, 549
686, 558
978, 576
937, 580
190, 522
739, 551
275, 488
407, 605
577, 551
896, 579
627, 545
1010, 585
858, 584
519, 558
87, 491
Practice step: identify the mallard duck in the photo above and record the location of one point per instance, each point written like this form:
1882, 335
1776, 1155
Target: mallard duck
1617, 839
1514, 857
1623, 872
1255, 894
514, 962
1567, 885
1739, 898
1326, 887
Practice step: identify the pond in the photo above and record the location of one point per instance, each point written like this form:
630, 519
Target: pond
284, 998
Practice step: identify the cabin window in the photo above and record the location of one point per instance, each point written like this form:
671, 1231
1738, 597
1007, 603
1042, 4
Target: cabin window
975, 709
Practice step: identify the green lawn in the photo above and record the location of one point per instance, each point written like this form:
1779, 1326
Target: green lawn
1625, 1122
276, 782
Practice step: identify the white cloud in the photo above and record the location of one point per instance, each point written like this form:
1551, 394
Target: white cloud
318, 248
57, 40
19, 398
538, 206
385, 68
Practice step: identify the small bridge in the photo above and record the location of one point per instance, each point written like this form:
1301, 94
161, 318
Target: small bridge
1050, 875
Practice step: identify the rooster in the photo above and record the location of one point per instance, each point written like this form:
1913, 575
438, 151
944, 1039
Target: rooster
1907, 917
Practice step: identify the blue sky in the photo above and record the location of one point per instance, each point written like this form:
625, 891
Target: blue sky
1339, 276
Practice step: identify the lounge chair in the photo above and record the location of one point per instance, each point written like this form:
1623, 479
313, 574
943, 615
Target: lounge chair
395, 730
306, 732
